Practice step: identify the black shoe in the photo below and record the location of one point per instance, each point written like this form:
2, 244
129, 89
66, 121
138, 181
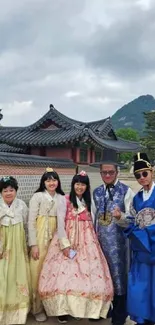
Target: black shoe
63, 319
95, 320
109, 315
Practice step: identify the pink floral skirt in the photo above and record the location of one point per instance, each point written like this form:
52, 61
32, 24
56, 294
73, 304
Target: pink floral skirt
82, 286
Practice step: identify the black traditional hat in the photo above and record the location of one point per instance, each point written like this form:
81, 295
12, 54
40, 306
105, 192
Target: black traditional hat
141, 162
109, 158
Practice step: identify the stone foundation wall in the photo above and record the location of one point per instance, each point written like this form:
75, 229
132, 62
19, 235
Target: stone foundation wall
29, 178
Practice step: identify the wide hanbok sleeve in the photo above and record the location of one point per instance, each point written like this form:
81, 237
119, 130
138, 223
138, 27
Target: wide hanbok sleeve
61, 214
2, 214
34, 206
142, 243
25, 220
126, 216
1, 241
93, 210
97, 204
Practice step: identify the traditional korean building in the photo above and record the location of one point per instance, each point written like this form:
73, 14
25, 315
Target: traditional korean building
58, 136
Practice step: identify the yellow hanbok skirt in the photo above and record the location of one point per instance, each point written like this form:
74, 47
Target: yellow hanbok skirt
46, 227
14, 276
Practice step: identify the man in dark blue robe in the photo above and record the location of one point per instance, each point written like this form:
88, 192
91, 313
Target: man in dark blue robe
141, 280
113, 198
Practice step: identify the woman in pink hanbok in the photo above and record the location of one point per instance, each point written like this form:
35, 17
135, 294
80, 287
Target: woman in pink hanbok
75, 278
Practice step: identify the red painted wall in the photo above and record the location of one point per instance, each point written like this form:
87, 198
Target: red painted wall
68, 153
59, 152
35, 151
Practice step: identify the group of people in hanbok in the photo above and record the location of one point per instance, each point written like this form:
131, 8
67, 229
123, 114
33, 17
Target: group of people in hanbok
85, 255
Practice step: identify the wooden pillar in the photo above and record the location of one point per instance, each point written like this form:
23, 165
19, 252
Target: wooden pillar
88, 156
77, 160
92, 156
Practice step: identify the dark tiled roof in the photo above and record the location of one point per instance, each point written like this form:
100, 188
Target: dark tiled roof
42, 137
45, 137
119, 145
8, 129
6, 148
100, 133
36, 161
63, 121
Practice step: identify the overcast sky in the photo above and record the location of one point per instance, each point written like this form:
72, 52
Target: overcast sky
86, 57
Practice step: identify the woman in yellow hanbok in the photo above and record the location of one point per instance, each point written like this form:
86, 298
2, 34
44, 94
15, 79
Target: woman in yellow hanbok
14, 263
46, 204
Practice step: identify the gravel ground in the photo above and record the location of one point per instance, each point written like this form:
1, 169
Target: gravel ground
72, 321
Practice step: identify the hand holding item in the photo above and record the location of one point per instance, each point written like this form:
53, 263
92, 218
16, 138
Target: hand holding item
72, 253
116, 213
66, 251
35, 252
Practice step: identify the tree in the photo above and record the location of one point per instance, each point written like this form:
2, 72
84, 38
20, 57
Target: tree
127, 134
149, 138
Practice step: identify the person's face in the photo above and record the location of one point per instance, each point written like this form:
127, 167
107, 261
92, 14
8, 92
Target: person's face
8, 194
108, 174
80, 188
144, 177
51, 184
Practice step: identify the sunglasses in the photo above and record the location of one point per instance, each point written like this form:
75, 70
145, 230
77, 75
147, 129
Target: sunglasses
139, 175
110, 172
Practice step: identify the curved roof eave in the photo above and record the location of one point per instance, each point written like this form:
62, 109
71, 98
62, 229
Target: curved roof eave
119, 145
32, 160
62, 120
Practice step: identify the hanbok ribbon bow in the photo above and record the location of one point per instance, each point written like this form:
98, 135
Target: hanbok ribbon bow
108, 187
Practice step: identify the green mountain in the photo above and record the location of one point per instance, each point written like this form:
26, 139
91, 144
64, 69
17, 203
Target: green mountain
131, 114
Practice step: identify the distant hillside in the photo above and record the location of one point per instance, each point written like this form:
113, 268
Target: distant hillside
131, 114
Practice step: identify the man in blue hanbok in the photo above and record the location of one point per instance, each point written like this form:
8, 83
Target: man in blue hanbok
141, 280
112, 199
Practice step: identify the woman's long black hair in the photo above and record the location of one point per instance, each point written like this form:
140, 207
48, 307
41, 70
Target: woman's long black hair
50, 175
84, 179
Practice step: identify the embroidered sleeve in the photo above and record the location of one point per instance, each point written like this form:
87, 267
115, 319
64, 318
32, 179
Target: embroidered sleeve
34, 205
93, 210
132, 210
126, 217
61, 214
97, 195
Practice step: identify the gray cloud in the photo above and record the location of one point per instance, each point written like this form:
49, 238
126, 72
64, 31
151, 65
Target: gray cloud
126, 48
86, 57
